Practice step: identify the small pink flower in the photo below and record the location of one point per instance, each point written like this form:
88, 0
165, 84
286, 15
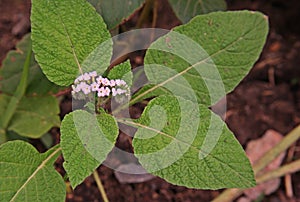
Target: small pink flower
105, 82
99, 80
86, 76
95, 86
86, 89
112, 83
93, 74
106, 91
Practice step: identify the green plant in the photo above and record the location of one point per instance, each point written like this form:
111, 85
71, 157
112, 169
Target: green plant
178, 138
26, 95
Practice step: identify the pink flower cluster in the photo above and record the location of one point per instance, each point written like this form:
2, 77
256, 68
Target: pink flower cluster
88, 83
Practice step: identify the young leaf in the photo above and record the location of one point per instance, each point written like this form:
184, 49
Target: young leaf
65, 35
208, 56
115, 11
177, 143
186, 10
122, 71
86, 140
26, 175
11, 72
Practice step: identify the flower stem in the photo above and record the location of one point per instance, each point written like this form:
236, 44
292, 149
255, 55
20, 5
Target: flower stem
100, 186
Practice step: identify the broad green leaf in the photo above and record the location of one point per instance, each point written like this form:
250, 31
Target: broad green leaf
115, 11
206, 58
86, 139
180, 139
176, 142
34, 116
26, 175
12, 68
122, 71
187, 9
67, 37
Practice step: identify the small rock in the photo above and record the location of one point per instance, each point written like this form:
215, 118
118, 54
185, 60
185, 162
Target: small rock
255, 150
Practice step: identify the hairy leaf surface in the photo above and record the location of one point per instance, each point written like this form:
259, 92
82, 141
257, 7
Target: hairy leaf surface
208, 57
185, 147
26, 175
180, 139
122, 71
67, 36
86, 140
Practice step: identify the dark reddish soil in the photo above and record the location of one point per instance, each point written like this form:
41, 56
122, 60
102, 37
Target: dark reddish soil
268, 98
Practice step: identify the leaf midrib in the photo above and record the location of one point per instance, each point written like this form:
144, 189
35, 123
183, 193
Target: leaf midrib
187, 69
42, 165
69, 40
126, 121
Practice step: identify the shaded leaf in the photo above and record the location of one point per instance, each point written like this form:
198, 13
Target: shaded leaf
186, 10
34, 116
115, 11
86, 140
11, 72
26, 175
67, 36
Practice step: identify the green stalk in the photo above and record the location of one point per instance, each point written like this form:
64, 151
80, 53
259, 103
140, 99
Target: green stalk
100, 186
145, 13
279, 172
15, 99
231, 194
287, 141
283, 145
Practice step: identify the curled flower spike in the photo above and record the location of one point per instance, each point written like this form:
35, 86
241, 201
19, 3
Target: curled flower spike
91, 84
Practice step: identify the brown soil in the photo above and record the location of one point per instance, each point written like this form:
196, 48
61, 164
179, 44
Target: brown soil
268, 98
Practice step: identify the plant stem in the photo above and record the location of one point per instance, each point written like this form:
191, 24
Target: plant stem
287, 141
145, 13
231, 194
283, 145
100, 186
228, 195
155, 13
279, 172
